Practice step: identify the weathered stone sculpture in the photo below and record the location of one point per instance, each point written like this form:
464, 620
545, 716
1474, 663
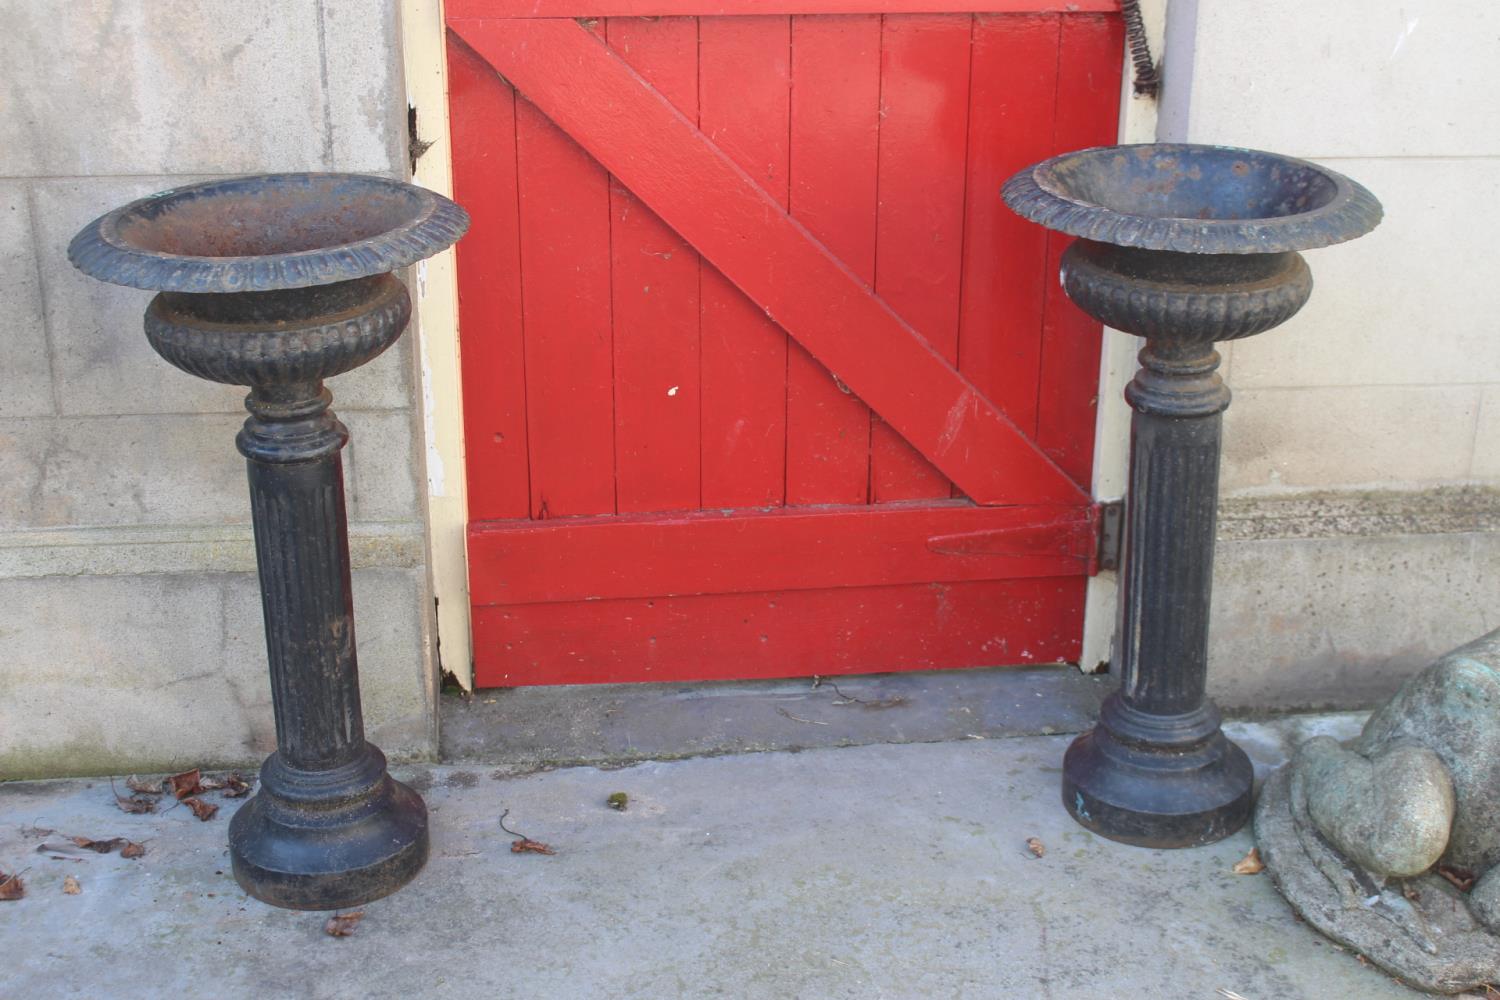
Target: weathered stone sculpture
1376, 842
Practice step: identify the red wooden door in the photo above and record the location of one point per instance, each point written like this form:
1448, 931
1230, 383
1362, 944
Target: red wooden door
760, 377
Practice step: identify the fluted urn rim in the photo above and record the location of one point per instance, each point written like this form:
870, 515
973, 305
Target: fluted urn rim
266, 232
1193, 199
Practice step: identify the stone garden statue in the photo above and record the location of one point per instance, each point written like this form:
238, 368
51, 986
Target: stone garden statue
1391, 844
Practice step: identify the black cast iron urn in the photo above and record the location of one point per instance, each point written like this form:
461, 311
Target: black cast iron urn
278, 282
1182, 245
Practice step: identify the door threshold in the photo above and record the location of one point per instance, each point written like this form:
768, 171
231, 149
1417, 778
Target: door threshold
534, 728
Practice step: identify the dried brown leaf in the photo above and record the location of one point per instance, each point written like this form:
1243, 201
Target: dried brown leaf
203, 810
1460, 878
528, 846
185, 784
144, 786
136, 805
11, 887
71, 886
235, 786
1250, 864
133, 850
99, 846
523, 844
1035, 846
343, 924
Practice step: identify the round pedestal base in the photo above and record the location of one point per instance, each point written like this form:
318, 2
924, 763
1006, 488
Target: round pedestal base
325, 840
1157, 796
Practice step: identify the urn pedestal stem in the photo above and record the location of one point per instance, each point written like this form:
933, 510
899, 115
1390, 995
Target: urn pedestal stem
324, 794
1171, 513
1158, 770
302, 554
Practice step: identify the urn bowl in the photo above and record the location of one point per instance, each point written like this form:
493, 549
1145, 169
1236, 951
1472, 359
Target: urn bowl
1190, 244
271, 278
1193, 199
267, 232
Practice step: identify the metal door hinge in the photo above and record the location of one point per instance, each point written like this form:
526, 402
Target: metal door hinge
1111, 521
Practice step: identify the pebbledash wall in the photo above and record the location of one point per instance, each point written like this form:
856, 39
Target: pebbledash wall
1361, 529
130, 624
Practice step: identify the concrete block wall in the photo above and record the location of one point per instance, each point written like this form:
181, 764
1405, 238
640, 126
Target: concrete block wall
1360, 427
130, 625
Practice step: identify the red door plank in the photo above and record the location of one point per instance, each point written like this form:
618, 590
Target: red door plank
565, 291
1088, 87
654, 277
472, 9
931, 626
483, 124
587, 559
835, 132
743, 230
1011, 99
924, 112
744, 88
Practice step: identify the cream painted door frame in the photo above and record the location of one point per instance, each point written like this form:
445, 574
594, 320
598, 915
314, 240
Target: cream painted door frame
436, 329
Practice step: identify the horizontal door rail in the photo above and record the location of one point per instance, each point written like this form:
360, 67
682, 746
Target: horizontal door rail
458, 10
780, 549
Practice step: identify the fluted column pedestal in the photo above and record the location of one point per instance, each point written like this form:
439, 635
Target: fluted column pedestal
1158, 771
329, 826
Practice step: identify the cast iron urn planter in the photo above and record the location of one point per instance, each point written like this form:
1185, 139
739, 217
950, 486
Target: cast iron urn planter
1184, 246
277, 282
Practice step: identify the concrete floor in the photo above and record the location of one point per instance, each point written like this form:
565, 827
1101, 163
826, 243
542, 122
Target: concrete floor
881, 871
